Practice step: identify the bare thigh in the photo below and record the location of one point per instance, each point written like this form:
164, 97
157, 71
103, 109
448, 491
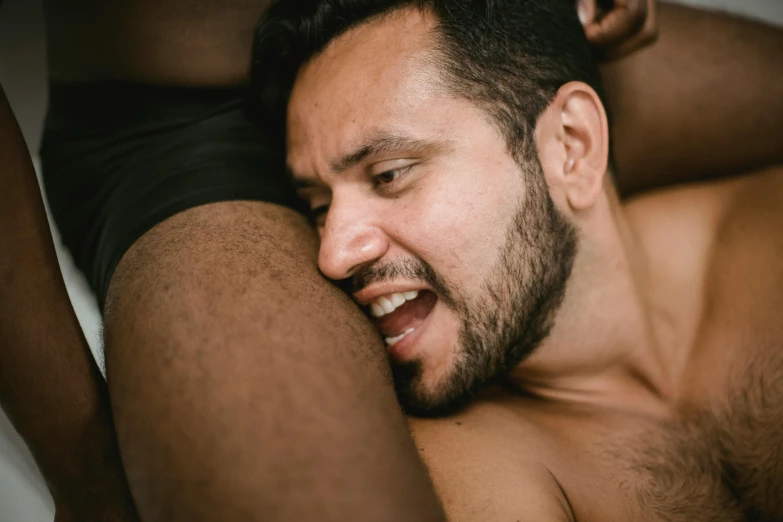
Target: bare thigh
245, 387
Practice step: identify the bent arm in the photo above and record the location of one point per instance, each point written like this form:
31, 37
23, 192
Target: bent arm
50, 387
704, 101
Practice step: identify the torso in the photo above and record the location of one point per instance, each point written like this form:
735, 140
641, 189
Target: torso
163, 42
717, 454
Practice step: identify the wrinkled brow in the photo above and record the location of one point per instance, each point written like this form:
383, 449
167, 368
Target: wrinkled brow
388, 143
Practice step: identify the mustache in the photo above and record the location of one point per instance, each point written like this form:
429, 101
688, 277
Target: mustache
405, 269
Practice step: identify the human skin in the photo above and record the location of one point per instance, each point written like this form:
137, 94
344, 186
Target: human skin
197, 44
171, 43
73, 440
259, 392
663, 360
207, 44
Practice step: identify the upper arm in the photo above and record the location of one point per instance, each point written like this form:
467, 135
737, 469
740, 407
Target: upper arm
705, 101
753, 213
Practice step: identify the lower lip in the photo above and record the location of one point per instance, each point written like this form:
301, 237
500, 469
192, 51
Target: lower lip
404, 348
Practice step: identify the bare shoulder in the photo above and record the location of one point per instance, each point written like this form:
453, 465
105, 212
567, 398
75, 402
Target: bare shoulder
705, 237
486, 465
675, 230
758, 196
746, 268
680, 216
713, 251
712, 213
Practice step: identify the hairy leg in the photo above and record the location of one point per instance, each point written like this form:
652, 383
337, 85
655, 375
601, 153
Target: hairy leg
245, 387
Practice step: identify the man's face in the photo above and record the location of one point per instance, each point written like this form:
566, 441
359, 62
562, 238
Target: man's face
452, 246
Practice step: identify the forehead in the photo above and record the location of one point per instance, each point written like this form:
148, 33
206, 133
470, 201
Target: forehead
379, 71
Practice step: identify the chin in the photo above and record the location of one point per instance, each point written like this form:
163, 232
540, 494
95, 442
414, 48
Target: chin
427, 389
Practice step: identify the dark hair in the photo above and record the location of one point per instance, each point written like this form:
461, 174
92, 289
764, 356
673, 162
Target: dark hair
508, 56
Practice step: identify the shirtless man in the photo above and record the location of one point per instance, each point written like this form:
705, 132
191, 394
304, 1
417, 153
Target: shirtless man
233, 365
621, 361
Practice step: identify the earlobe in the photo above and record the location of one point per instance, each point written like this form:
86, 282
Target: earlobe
585, 140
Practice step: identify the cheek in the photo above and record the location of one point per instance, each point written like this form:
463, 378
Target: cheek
459, 228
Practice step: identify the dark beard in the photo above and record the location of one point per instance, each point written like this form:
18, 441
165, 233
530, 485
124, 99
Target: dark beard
514, 314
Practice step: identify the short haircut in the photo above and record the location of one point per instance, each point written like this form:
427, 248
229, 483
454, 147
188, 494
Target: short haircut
509, 57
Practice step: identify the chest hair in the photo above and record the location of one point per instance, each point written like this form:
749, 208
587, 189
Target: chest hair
722, 464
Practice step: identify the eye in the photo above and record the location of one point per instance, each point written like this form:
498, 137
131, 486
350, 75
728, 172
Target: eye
390, 176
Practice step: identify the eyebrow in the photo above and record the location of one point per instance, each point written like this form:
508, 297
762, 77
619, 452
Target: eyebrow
387, 143
381, 144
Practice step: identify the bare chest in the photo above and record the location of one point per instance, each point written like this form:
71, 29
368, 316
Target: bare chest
716, 462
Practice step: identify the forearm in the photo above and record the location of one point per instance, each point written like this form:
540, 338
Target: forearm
706, 100
50, 387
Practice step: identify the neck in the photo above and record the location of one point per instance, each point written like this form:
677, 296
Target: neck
604, 347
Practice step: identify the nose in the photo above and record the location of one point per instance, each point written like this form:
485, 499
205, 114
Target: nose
349, 241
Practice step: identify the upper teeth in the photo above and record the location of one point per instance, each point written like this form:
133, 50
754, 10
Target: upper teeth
386, 304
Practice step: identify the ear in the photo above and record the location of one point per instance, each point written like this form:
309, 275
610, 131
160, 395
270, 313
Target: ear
572, 137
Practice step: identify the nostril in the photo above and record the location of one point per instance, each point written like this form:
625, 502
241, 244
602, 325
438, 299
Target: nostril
351, 273
346, 285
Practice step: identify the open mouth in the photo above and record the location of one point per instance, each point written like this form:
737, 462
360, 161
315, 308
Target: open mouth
399, 315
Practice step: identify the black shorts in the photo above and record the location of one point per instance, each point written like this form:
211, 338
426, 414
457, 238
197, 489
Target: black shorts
117, 159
